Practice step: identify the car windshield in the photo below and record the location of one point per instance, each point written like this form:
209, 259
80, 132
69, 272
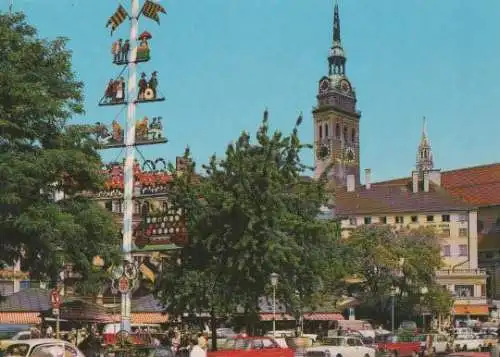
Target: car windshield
331, 341
237, 344
7, 335
17, 350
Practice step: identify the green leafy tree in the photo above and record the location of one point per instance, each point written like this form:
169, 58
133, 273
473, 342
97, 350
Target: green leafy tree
393, 263
41, 156
250, 214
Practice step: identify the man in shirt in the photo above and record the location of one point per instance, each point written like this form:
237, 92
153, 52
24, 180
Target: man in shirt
196, 350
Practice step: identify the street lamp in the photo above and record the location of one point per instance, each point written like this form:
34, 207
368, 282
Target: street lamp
393, 293
397, 273
274, 281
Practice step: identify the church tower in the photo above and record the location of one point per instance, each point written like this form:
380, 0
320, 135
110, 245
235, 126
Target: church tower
336, 119
425, 160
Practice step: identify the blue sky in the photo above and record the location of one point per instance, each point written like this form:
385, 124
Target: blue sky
221, 62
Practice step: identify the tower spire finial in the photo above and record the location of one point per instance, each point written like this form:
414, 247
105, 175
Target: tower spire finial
336, 24
424, 126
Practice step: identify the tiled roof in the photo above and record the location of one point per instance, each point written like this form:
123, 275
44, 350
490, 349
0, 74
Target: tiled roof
478, 185
381, 199
147, 303
27, 300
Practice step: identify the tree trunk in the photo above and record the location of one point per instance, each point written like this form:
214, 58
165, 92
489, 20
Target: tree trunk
213, 328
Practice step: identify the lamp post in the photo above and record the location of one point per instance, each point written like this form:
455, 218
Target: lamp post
274, 281
423, 292
393, 293
398, 273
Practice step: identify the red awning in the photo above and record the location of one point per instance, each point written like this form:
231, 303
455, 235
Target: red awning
268, 316
20, 318
323, 316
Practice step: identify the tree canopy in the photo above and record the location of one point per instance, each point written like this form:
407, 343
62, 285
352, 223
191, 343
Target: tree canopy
252, 213
400, 263
41, 156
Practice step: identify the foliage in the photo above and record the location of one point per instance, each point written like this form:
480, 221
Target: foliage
394, 263
251, 213
40, 156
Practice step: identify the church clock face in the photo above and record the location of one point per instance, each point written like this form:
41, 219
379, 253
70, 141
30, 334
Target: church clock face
323, 152
349, 155
324, 85
345, 87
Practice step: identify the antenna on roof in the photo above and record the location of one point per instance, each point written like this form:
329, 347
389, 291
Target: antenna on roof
11, 4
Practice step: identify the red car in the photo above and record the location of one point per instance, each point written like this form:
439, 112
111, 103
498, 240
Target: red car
398, 347
247, 346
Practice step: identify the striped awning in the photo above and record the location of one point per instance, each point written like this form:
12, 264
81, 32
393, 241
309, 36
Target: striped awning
266, 316
323, 316
145, 318
20, 318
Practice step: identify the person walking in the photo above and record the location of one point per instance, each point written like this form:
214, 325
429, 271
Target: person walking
197, 350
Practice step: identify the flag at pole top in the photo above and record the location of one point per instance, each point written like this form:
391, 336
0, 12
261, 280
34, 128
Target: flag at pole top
117, 18
152, 10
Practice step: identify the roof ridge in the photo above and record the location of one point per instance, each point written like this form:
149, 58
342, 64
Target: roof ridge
473, 167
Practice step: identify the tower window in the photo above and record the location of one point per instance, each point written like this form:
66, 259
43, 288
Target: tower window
353, 135
345, 133
326, 130
337, 131
320, 131
145, 209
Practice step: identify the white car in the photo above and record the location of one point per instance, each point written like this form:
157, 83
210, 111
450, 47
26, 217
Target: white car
440, 343
42, 347
468, 343
341, 346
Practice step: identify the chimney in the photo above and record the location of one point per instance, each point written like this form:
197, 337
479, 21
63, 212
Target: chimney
351, 183
426, 181
414, 177
368, 178
435, 177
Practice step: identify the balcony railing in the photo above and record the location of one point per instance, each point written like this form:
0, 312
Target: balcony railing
461, 272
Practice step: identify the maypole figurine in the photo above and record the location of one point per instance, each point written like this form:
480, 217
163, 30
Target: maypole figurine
148, 89
143, 51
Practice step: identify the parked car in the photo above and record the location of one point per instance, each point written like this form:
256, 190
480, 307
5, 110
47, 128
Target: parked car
43, 347
13, 337
248, 346
341, 346
439, 343
398, 346
468, 343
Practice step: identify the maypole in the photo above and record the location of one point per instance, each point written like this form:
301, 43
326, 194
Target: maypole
129, 161
127, 54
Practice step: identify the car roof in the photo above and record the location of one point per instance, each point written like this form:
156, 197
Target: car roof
39, 341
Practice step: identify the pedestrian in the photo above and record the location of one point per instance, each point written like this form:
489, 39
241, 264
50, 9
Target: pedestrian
300, 351
202, 341
48, 332
197, 350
